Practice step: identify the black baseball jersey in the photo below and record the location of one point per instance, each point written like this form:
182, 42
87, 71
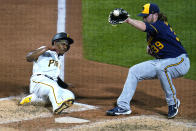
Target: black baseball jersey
163, 41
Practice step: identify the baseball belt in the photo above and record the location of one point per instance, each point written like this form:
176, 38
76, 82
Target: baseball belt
46, 76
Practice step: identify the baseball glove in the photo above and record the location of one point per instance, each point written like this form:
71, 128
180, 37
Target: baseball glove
118, 16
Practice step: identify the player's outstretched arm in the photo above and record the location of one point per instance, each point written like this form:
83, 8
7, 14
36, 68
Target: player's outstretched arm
33, 55
136, 23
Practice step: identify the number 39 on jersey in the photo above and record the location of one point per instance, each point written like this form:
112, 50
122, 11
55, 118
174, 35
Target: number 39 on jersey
157, 46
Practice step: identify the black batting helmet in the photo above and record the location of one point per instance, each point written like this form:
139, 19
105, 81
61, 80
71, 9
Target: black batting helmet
62, 36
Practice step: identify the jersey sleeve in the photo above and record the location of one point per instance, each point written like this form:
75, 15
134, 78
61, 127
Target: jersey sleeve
152, 29
46, 54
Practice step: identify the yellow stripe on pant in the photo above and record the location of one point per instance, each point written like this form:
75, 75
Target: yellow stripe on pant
169, 81
52, 91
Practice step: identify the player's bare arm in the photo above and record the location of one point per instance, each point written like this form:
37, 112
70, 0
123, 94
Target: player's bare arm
33, 55
136, 23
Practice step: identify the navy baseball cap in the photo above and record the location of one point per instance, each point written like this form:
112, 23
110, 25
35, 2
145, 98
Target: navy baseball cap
149, 9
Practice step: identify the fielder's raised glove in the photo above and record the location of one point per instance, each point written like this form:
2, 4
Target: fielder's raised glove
118, 16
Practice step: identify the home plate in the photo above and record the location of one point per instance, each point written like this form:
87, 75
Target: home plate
70, 120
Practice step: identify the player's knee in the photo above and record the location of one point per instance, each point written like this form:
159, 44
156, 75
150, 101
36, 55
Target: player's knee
68, 94
133, 72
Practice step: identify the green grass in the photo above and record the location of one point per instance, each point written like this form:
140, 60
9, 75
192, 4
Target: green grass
124, 45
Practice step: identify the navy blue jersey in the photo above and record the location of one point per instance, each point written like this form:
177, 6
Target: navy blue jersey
163, 41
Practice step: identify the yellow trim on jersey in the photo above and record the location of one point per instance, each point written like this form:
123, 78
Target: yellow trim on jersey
154, 28
166, 23
52, 91
146, 9
169, 81
150, 40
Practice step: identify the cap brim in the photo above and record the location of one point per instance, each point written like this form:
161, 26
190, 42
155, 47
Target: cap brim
141, 14
70, 41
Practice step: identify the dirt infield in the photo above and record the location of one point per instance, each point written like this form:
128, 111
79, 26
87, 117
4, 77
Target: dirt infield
16, 113
139, 123
28, 25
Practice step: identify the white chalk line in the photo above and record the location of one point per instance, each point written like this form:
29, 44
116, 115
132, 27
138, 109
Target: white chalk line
76, 103
87, 107
7, 98
25, 119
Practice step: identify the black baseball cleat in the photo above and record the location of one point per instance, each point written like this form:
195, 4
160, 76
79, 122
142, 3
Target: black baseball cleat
118, 111
173, 110
63, 106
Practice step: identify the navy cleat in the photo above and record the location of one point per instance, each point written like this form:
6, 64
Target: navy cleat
118, 111
173, 110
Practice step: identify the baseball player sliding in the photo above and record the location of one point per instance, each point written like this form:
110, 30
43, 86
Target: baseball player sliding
171, 58
44, 82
